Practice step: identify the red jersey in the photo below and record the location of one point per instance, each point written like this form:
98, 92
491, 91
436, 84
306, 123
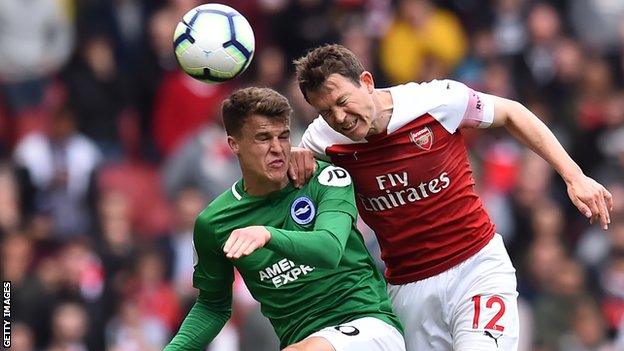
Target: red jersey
413, 183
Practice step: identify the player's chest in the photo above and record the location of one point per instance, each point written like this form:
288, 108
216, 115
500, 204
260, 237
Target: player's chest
421, 154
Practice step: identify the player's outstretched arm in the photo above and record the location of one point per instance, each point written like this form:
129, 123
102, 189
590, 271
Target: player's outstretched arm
322, 247
302, 166
589, 196
202, 323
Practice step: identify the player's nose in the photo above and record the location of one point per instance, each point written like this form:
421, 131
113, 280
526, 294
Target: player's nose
340, 116
276, 145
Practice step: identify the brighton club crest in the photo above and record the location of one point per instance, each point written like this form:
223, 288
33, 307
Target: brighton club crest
422, 138
302, 210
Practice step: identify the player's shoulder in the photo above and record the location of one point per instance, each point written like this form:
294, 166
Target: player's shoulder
329, 175
427, 93
217, 207
415, 100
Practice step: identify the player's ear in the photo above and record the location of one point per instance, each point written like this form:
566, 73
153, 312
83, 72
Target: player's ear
233, 144
366, 79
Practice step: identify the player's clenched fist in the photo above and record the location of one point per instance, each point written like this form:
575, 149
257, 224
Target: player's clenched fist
244, 241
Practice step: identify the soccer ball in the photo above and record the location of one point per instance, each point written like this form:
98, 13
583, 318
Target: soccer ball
213, 43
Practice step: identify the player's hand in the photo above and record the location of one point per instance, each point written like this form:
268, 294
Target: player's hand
244, 241
592, 199
302, 166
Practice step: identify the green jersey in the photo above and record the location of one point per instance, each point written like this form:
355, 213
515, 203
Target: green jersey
314, 272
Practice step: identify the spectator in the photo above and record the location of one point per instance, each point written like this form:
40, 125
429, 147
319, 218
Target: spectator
535, 67
597, 22
70, 323
422, 42
100, 93
35, 42
188, 204
154, 62
554, 310
22, 338
588, 330
155, 296
509, 26
130, 330
61, 165
10, 214
612, 283
203, 161
182, 106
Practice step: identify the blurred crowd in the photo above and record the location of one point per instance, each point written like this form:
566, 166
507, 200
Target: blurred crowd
108, 152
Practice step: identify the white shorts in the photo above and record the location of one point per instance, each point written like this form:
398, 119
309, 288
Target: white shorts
364, 334
472, 306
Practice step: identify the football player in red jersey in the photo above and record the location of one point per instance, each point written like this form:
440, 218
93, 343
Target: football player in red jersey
450, 277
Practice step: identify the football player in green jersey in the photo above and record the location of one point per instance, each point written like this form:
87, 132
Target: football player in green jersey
298, 250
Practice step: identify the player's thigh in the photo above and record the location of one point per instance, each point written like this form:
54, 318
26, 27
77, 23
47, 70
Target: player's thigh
420, 309
366, 333
485, 313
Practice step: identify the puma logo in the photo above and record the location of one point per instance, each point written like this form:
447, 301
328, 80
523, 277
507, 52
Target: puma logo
487, 333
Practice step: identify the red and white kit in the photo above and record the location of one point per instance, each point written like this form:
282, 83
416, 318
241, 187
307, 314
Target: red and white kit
415, 189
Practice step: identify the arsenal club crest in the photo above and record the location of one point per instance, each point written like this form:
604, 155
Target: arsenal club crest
422, 138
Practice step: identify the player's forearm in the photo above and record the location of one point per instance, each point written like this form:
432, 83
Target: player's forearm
323, 247
533, 133
201, 325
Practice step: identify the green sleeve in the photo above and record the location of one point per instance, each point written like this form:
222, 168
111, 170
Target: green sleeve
201, 325
323, 247
214, 273
213, 276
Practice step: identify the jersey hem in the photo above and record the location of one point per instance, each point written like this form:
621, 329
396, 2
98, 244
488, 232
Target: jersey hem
430, 272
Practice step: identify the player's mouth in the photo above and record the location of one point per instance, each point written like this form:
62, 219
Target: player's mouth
347, 127
277, 164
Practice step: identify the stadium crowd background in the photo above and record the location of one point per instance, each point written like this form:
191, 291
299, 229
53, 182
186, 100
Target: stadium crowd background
108, 152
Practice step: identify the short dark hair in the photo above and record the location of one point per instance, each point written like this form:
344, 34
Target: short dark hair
318, 64
243, 103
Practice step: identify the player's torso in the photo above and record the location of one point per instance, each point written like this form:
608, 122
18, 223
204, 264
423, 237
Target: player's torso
294, 293
414, 188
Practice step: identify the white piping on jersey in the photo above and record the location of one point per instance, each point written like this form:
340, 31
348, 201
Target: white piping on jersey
235, 193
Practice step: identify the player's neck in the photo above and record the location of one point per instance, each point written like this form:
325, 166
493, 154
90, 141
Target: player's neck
255, 186
383, 110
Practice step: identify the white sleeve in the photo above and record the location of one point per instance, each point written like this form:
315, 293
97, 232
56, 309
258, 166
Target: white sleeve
313, 140
461, 106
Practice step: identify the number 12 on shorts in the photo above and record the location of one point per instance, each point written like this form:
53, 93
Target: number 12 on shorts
491, 301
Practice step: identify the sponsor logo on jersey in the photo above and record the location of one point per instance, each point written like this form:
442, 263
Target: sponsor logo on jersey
399, 191
302, 210
283, 272
422, 138
334, 176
